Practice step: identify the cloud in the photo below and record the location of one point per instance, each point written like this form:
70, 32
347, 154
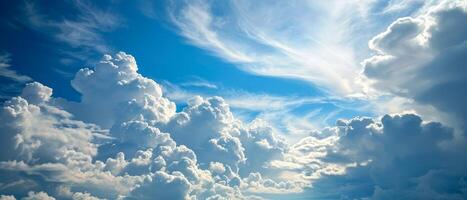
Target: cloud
165, 186
38, 196
199, 82
209, 128
114, 92
124, 138
420, 58
5, 70
41, 132
394, 157
36, 93
80, 31
282, 39
7, 197
293, 116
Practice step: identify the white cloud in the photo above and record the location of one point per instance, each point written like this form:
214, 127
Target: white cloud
41, 132
305, 40
7, 197
199, 82
390, 158
5, 70
280, 111
114, 92
83, 30
38, 196
36, 93
31, 196
46, 142
420, 58
165, 186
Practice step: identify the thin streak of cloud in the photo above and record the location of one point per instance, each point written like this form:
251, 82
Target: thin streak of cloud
199, 82
5, 70
82, 31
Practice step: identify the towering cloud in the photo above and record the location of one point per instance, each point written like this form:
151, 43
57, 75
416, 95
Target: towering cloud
423, 58
124, 139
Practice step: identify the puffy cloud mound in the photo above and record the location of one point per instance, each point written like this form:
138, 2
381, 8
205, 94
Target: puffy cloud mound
423, 58
125, 140
163, 186
396, 157
41, 133
114, 91
208, 125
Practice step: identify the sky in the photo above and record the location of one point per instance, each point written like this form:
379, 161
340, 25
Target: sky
235, 99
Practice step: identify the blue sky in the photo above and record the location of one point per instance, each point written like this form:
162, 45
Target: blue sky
162, 54
321, 90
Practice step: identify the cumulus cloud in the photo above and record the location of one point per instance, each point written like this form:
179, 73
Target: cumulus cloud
124, 139
421, 58
208, 127
40, 133
114, 91
164, 186
395, 157
36, 93
31, 196
38, 196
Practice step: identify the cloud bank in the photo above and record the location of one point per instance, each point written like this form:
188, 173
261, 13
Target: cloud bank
145, 149
125, 140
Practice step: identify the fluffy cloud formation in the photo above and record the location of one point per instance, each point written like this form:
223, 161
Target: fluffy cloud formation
395, 157
422, 58
125, 140
114, 92
208, 125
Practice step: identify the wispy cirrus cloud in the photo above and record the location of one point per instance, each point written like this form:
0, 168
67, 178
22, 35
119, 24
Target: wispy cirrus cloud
82, 30
280, 39
5, 70
196, 81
